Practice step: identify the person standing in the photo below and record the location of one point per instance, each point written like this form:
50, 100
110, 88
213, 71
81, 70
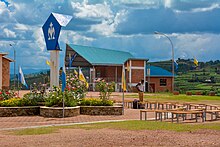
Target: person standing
140, 88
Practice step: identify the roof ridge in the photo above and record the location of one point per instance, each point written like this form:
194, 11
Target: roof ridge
100, 48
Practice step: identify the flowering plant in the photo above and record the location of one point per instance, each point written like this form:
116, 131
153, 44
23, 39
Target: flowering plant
55, 98
5, 95
75, 86
105, 89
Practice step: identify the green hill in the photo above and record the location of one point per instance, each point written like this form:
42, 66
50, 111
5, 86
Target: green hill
204, 78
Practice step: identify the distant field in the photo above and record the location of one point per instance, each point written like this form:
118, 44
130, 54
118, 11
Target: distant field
192, 81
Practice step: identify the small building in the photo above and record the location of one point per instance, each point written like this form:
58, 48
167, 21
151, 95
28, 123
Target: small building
107, 64
160, 80
4, 71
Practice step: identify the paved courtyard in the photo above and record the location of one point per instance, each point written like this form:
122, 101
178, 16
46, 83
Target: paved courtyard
27, 121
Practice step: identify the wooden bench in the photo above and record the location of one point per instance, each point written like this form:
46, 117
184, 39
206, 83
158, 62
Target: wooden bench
152, 105
145, 111
213, 113
184, 115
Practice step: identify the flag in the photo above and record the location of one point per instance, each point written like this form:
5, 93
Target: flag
196, 62
48, 62
176, 65
63, 78
71, 59
21, 77
123, 82
75, 72
82, 78
128, 66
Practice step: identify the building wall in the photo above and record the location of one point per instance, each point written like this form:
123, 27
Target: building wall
1, 71
135, 72
109, 73
5, 74
156, 81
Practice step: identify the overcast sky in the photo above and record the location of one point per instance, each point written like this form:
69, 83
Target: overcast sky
126, 25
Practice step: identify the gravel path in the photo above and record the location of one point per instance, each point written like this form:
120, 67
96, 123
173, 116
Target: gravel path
111, 137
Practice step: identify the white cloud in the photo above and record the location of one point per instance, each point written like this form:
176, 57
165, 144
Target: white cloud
84, 10
74, 37
138, 4
8, 33
21, 27
212, 7
108, 27
202, 46
167, 3
39, 38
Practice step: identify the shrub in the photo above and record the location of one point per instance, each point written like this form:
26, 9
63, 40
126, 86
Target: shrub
13, 102
76, 87
55, 98
5, 95
18, 102
96, 102
105, 89
38, 97
205, 92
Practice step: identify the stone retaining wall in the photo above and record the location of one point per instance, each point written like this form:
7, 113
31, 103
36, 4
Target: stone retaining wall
101, 110
58, 111
19, 111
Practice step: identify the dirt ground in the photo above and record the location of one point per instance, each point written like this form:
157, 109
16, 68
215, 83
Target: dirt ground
112, 137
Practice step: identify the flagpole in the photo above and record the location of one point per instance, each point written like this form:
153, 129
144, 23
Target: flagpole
63, 87
123, 94
18, 80
63, 106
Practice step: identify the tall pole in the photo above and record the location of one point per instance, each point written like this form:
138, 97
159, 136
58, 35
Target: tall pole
159, 33
14, 65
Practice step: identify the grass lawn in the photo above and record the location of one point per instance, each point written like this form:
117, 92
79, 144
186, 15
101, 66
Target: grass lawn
134, 125
177, 98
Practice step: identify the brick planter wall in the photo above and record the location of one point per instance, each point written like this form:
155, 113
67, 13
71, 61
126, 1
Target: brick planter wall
58, 111
101, 110
19, 111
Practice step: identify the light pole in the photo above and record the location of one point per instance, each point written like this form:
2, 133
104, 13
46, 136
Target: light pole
14, 64
159, 33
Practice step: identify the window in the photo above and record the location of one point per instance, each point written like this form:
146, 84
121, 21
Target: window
163, 82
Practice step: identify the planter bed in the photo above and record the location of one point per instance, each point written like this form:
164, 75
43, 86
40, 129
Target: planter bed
101, 110
58, 111
19, 111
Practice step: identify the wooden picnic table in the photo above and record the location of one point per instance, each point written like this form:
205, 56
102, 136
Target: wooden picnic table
184, 115
212, 112
145, 111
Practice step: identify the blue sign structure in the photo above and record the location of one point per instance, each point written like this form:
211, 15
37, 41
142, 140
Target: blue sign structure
51, 29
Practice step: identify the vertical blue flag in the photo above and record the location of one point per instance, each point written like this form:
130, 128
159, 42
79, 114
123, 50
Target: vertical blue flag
176, 65
63, 78
71, 59
21, 77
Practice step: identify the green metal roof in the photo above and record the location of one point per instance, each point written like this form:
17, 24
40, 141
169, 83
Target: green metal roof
100, 56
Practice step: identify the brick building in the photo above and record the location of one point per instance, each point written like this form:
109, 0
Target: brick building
108, 64
160, 80
4, 71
